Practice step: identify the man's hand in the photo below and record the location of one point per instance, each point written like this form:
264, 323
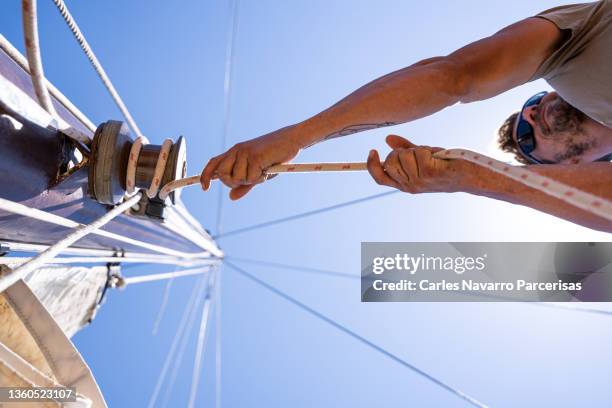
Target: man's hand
413, 169
244, 165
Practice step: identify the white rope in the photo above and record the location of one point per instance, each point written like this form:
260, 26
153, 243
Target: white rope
569, 195
78, 35
30, 30
581, 199
17, 208
201, 342
52, 251
166, 275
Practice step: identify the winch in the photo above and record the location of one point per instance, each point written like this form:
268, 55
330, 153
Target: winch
119, 164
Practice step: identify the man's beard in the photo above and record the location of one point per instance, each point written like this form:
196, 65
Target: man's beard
566, 122
574, 148
565, 118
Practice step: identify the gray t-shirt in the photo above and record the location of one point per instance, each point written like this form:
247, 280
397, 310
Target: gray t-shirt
581, 69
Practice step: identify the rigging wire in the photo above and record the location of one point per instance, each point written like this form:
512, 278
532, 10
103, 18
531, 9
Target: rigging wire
178, 361
17, 208
218, 338
201, 341
552, 305
295, 267
162, 308
356, 336
189, 307
166, 275
227, 95
18, 260
78, 35
304, 214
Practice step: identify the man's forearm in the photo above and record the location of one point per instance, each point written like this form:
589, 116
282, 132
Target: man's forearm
594, 178
410, 93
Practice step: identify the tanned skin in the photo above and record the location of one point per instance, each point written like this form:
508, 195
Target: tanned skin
478, 71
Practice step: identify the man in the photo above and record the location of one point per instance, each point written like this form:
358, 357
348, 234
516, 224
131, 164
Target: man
569, 46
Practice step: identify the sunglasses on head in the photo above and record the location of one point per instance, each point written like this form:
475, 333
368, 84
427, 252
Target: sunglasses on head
525, 138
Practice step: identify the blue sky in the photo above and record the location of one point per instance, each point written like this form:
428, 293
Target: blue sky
293, 59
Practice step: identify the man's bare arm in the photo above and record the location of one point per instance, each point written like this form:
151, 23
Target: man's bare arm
594, 178
477, 71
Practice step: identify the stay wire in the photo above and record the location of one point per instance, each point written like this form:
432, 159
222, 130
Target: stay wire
294, 267
227, 95
303, 215
78, 35
472, 401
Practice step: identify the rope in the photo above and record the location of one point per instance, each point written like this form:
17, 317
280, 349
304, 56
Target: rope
52, 251
356, 336
569, 195
17, 208
277, 169
30, 30
304, 214
78, 35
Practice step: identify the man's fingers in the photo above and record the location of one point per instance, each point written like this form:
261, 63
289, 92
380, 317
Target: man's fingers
423, 161
408, 162
209, 172
394, 169
255, 173
240, 191
377, 171
224, 171
239, 170
395, 142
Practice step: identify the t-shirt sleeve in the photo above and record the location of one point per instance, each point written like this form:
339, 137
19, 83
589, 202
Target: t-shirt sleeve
576, 20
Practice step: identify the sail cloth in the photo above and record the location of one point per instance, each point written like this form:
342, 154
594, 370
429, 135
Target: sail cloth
70, 294
34, 347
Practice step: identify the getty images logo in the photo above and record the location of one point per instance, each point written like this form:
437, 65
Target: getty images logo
414, 264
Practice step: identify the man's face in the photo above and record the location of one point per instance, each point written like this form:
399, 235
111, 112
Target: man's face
559, 131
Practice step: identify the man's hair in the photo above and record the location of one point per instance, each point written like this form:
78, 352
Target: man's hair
505, 140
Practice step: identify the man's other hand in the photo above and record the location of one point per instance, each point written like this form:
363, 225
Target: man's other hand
414, 169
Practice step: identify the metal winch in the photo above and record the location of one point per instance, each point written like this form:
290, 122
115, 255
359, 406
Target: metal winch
111, 148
